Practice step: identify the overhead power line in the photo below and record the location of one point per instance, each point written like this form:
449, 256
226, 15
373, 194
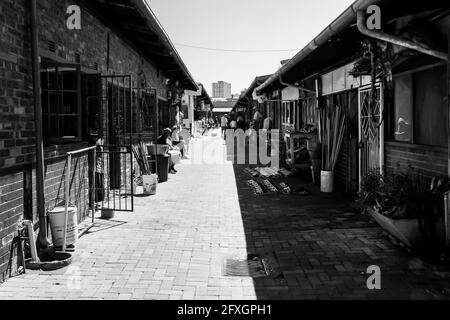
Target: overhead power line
235, 50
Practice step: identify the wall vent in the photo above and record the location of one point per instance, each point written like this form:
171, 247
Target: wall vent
51, 46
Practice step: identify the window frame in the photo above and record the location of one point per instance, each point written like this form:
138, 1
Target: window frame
288, 118
413, 73
57, 66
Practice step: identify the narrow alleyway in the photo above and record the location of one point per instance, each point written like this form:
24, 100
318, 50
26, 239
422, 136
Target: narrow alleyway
174, 246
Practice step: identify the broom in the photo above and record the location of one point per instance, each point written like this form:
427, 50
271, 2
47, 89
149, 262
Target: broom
332, 128
141, 158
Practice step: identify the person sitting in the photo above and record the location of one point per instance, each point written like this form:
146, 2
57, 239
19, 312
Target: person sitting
164, 139
233, 124
177, 140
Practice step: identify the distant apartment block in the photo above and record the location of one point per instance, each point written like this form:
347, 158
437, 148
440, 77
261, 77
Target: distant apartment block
221, 89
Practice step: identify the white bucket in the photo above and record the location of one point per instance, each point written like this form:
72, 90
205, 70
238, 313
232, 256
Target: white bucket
56, 217
149, 183
326, 181
175, 156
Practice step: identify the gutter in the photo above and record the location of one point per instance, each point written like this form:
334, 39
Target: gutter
361, 18
339, 24
294, 86
147, 13
40, 198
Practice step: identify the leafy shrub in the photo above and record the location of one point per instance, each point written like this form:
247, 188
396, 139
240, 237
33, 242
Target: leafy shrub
401, 195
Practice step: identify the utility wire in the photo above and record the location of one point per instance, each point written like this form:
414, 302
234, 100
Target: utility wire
234, 50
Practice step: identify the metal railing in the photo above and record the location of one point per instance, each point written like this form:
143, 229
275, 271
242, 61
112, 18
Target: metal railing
67, 189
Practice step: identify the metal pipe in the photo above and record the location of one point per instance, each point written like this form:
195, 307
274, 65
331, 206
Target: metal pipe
447, 220
66, 199
93, 191
361, 23
339, 24
29, 225
80, 150
40, 198
294, 86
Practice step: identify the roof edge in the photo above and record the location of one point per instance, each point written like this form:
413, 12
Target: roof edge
147, 13
338, 24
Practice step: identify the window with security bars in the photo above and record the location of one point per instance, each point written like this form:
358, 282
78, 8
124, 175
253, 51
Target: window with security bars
61, 103
289, 112
148, 110
309, 111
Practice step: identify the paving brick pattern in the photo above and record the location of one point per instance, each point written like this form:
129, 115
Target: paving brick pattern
175, 243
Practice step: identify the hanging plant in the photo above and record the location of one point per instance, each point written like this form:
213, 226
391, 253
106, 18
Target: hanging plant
375, 61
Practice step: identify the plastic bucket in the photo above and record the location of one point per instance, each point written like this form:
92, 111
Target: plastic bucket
149, 183
326, 181
175, 156
56, 218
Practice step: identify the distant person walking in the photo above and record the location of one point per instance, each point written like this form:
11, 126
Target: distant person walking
223, 125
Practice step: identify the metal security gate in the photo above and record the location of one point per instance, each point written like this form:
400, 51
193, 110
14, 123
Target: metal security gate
371, 131
115, 160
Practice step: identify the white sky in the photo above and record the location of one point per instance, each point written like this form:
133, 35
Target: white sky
242, 25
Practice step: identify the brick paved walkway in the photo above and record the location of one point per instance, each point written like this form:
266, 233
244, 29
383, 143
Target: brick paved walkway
173, 246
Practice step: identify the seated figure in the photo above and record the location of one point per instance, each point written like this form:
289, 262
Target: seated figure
164, 139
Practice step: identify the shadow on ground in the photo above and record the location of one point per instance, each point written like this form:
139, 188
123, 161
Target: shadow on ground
322, 247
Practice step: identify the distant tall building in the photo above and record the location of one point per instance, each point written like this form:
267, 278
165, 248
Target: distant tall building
221, 89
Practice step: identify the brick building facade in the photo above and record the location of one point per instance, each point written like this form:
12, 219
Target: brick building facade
72, 57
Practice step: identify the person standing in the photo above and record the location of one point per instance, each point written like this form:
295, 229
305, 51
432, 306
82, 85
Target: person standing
240, 122
267, 126
223, 125
257, 119
177, 140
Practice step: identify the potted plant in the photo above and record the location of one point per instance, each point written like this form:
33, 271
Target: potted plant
331, 133
402, 207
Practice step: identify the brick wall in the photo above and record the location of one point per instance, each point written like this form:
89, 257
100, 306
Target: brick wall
17, 143
91, 43
16, 100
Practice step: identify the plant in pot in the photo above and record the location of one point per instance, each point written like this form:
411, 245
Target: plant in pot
401, 206
332, 124
372, 192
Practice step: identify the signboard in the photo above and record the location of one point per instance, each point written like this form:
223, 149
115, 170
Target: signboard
290, 93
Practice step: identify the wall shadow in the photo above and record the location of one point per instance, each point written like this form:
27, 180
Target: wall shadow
321, 244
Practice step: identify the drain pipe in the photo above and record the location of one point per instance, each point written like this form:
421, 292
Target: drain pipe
42, 237
361, 23
294, 86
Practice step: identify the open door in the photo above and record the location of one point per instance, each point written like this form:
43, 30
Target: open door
115, 160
